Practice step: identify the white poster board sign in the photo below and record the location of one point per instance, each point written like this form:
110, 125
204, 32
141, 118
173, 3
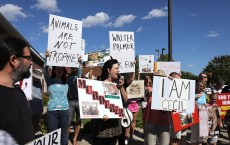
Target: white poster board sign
52, 138
26, 86
146, 63
169, 67
176, 94
122, 48
136, 89
97, 98
64, 41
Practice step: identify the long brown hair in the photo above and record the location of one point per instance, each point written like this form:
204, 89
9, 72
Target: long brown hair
53, 74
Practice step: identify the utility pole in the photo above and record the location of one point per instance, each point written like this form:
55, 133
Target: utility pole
170, 30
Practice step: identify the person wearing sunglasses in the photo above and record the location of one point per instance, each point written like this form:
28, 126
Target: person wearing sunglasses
15, 64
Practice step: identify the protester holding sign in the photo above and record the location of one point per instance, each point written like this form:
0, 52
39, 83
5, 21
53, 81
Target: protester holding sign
58, 106
107, 130
15, 114
196, 137
157, 122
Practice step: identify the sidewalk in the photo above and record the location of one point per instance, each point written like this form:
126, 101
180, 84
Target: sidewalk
85, 139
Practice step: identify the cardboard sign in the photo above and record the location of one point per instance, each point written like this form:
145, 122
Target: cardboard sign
97, 98
223, 100
122, 48
176, 94
52, 138
136, 89
26, 86
64, 41
146, 63
184, 120
169, 67
203, 124
213, 119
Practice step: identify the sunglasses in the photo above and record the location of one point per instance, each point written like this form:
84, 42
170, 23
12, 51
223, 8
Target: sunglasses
26, 57
204, 76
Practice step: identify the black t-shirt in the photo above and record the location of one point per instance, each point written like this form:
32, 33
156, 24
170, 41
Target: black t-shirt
15, 115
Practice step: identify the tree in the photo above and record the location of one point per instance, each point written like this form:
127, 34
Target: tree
219, 69
189, 75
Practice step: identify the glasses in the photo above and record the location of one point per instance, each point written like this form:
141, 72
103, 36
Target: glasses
26, 57
204, 76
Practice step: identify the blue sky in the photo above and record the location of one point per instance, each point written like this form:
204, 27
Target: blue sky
200, 28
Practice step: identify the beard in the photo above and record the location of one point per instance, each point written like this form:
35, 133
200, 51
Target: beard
20, 73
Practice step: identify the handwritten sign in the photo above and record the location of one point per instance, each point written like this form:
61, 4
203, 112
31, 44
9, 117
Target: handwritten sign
26, 86
223, 100
169, 67
122, 48
136, 89
64, 41
184, 120
52, 138
97, 98
176, 94
146, 63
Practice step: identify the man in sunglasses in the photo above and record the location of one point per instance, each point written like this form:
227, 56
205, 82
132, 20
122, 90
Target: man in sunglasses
15, 63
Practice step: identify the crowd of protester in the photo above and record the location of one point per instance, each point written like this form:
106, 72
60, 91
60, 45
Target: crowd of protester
63, 103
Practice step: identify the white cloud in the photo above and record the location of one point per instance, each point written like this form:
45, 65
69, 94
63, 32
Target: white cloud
34, 36
140, 29
42, 54
45, 29
47, 5
100, 18
193, 15
123, 19
156, 13
191, 65
103, 46
212, 34
12, 12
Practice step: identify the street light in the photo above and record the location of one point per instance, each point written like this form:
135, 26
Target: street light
162, 51
158, 53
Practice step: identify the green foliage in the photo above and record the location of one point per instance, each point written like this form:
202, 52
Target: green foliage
189, 75
219, 69
45, 100
42, 123
139, 121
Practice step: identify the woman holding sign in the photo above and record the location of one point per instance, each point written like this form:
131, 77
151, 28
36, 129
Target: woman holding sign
156, 122
58, 106
196, 137
108, 130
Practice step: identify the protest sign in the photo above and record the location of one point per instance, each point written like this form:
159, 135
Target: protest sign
64, 41
214, 119
136, 89
203, 123
122, 48
169, 67
176, 94
52, 138
223, 100
97, 98
184, 120
146, 63
26, 86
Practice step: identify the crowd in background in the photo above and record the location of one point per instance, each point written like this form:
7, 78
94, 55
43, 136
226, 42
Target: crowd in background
63, 103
